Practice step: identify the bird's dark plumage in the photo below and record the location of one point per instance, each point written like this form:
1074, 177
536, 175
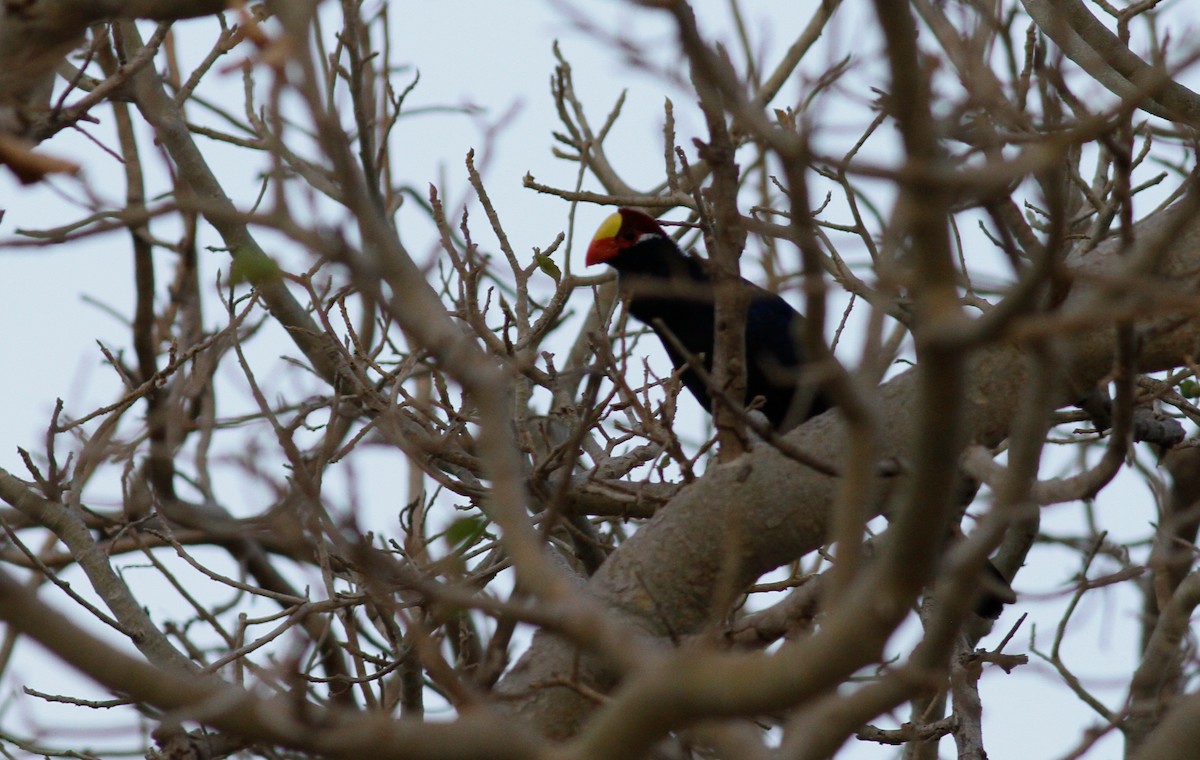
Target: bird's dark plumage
672, 293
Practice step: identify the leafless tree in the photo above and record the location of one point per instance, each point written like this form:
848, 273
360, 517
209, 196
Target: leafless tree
574, 572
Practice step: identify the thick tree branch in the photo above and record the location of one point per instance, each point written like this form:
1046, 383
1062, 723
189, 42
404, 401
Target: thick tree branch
763, 510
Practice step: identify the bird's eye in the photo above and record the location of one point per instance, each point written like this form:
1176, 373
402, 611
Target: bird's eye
627, 236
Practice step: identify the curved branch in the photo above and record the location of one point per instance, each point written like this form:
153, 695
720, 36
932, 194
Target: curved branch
36, 37
1103, 55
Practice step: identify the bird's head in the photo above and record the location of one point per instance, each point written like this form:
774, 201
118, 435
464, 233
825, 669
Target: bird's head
619, 233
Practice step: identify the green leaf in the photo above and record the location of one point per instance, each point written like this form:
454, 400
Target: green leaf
253, 266
1189, 389
547, 265
465, 531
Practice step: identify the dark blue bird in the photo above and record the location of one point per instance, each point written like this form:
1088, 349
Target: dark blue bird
671, 292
